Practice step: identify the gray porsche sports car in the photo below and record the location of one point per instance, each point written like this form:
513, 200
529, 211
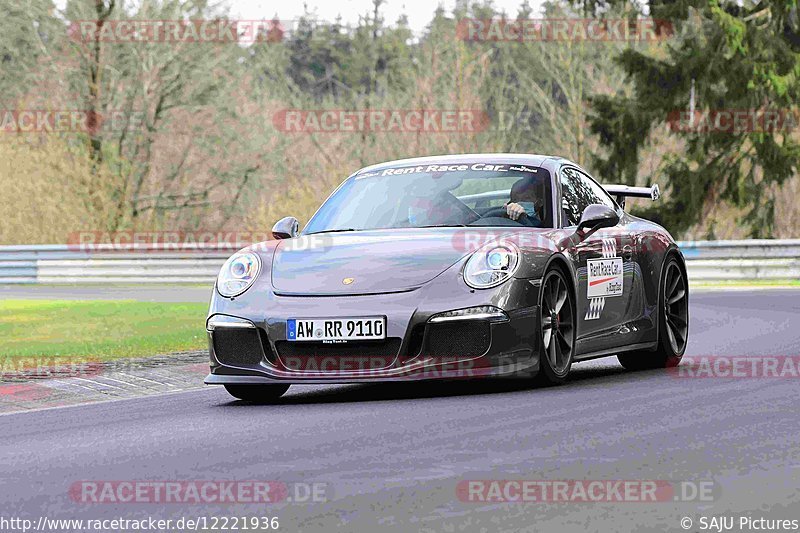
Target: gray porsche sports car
451, 267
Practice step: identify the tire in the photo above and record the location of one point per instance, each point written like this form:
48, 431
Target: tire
257, 393
673, 323
556, 329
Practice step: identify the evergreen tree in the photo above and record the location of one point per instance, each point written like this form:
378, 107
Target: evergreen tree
725, 55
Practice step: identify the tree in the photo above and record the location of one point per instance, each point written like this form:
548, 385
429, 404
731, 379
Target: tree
29, 34
725, 56
175, 145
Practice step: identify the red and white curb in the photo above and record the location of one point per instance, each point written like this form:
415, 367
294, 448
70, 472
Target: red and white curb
112, 381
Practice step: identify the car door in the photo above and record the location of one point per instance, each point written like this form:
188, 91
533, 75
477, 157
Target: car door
603, 261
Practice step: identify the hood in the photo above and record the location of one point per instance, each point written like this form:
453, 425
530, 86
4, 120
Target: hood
370, 261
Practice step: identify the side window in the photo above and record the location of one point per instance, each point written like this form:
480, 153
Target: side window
596, 192
571, 203
577, 192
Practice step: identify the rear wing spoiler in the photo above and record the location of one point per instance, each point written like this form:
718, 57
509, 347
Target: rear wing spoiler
620, 192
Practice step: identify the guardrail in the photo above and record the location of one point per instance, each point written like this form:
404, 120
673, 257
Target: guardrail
757, 259
135, 264
706, 261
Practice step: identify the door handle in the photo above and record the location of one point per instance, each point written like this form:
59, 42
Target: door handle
627, 252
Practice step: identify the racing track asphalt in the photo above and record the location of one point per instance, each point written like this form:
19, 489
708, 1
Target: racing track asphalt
391, 456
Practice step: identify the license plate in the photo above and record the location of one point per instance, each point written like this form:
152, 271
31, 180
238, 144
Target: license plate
335, 329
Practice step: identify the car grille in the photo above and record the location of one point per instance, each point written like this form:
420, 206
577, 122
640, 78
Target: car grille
389, 347
237, 346
343, 357
464, 339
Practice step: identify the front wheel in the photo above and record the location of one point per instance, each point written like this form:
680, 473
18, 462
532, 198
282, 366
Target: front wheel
557, 324
257, 393
673, 324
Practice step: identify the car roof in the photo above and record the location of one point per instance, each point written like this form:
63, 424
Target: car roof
497, 158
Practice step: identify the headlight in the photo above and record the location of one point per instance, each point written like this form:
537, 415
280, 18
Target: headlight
237, 274
491, 266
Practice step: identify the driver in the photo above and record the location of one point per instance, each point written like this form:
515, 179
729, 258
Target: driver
522, 206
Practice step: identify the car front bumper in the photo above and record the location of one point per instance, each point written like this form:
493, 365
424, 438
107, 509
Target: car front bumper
253, 348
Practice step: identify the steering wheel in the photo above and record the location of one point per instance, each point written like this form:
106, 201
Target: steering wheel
496, 212
500, 212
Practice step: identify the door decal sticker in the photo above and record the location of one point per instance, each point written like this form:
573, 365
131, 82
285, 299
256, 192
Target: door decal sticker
603, 279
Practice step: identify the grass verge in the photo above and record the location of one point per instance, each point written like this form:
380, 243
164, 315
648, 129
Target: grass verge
99, 330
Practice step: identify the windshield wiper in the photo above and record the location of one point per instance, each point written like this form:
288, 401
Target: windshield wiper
443, 226
341, 230
332, 231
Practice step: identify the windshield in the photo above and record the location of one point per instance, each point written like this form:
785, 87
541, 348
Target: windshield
469, 194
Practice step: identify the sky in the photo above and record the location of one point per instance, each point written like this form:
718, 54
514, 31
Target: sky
419, 12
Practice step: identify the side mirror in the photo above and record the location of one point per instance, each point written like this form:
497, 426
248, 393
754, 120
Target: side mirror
286, 228
598, 216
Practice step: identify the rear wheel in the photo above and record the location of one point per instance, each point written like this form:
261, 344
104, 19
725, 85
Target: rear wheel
257, 393
673, 324
557, 323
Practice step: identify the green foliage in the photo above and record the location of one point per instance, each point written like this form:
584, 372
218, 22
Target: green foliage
740, 57
203, 152
332, 60
29, 32
99, 330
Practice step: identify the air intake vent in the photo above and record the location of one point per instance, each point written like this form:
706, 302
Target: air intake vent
389, 347
338, 358
458, 340
237, 347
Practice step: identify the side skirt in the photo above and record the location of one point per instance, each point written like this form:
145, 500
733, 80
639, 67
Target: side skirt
616, 350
